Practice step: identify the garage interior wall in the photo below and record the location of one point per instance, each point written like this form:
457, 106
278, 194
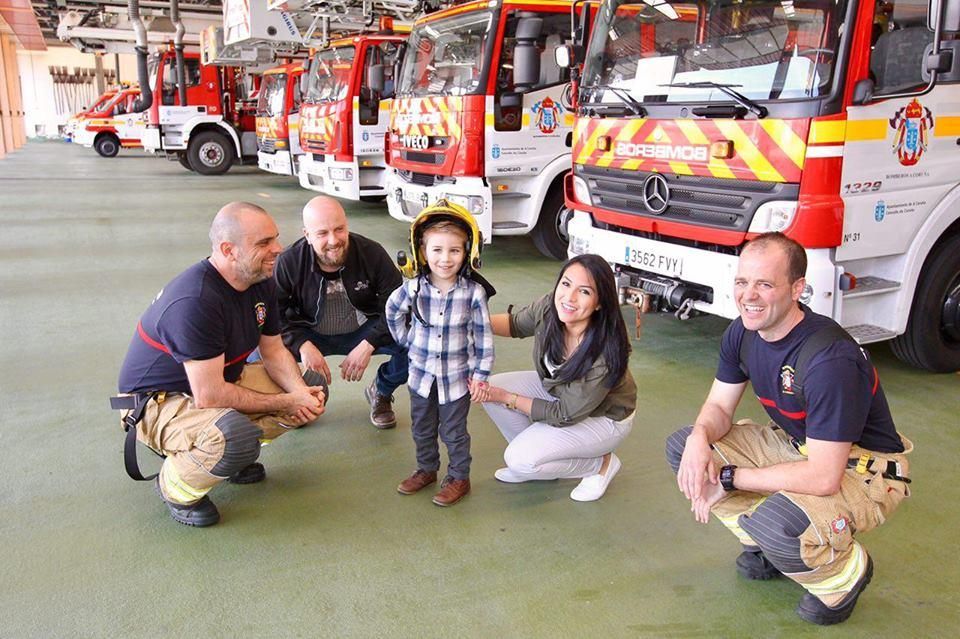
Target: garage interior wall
39, 98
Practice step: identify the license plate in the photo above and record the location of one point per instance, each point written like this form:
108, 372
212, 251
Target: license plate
653, 261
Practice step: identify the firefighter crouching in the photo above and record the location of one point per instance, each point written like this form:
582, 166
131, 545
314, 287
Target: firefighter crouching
186, 389
831, 462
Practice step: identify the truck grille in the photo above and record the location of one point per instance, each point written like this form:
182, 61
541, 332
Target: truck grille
717, 202
423, 158
420, 179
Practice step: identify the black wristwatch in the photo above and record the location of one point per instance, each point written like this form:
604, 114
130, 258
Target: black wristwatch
726, 477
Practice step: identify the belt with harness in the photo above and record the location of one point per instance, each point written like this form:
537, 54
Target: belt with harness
136, 403
888, 469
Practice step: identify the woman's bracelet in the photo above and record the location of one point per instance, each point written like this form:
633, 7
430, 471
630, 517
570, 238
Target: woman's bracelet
512, 404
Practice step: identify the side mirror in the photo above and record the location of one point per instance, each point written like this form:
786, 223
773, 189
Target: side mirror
526, 56
375, 78
951, 15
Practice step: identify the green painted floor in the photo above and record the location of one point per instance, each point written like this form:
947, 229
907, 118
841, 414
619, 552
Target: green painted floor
325, 547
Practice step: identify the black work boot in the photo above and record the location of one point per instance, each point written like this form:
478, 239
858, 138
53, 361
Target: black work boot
200, 514
753, 564
252, 474
815, 611
381, 407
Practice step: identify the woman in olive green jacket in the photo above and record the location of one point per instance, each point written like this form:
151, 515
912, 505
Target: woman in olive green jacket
565, 418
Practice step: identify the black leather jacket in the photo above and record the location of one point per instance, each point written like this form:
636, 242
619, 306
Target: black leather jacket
368, 274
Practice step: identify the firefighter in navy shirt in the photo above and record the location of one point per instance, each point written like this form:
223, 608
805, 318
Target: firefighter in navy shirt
200, 404
829, 464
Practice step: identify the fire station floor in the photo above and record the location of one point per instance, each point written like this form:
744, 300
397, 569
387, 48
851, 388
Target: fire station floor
325, 547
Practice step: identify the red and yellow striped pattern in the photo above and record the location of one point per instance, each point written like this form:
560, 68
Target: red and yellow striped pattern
434, 116
767, 150
268, 127
317, 122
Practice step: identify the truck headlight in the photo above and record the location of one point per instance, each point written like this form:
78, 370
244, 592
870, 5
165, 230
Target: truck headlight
473, 203
581, 191
773, 216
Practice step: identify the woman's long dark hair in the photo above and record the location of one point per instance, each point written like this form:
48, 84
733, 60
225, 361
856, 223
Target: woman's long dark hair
606, 333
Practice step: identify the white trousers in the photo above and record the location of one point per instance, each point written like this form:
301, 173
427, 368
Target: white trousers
540, 451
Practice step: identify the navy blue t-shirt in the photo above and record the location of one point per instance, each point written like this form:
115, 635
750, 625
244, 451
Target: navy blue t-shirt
844, 399
197, 316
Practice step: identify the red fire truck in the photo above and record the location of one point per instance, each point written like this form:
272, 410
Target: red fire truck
278, 119
73, 121
344, 116
703, 124
111, 126
478, 118
217, 124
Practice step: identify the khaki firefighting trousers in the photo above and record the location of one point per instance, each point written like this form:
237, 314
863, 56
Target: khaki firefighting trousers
195, 441
828, 560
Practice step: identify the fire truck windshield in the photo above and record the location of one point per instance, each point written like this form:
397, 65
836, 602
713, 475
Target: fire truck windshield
447, 56
660, 51
330, 75
272, 94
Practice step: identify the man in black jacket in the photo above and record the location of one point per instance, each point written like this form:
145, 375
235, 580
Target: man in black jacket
333, 287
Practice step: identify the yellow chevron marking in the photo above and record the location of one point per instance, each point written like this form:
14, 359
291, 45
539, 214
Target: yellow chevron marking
863, 130
690, 129
827, 132
601, 129
718, 168
681, 168
632, 164
786, 139
747, 150
658, 135
946, 126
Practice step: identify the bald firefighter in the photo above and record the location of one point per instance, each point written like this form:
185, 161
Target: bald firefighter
185, 385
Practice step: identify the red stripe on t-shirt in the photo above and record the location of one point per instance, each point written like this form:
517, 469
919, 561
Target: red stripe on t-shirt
150, 341
772, 404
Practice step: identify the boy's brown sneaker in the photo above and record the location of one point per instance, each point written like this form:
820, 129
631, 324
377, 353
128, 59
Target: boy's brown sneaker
416, 482
451, 491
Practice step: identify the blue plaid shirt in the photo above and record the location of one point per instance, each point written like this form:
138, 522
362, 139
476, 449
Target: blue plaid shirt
453, 344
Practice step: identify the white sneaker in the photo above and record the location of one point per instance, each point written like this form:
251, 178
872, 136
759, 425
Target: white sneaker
591, 488
507, 476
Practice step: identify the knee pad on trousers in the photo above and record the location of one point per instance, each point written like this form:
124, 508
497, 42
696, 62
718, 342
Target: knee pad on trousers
776, 526
313, 378
675, 445
241, 443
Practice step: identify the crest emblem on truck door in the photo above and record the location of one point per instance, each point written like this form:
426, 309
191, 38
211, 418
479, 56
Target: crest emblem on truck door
656, 193
912, 125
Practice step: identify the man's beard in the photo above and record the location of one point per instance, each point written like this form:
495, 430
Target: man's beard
332, 264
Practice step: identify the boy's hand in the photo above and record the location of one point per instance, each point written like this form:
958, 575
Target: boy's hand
479, 391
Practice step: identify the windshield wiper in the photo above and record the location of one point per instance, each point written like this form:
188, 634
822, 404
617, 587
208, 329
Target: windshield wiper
623, 95
739, 98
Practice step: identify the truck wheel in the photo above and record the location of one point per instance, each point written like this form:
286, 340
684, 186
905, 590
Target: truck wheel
548, 235
210, 153
107, 145
932, 338
184, 160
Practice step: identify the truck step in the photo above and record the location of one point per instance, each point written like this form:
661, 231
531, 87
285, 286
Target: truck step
867, 334
870, 285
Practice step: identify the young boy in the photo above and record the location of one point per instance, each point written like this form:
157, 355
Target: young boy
440, 315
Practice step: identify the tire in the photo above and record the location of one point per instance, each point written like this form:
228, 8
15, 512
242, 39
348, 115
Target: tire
184, 160
107, 145
211, 153
932, 338
547, 234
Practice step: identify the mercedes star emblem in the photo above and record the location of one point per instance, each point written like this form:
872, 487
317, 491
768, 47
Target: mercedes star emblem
656, 193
